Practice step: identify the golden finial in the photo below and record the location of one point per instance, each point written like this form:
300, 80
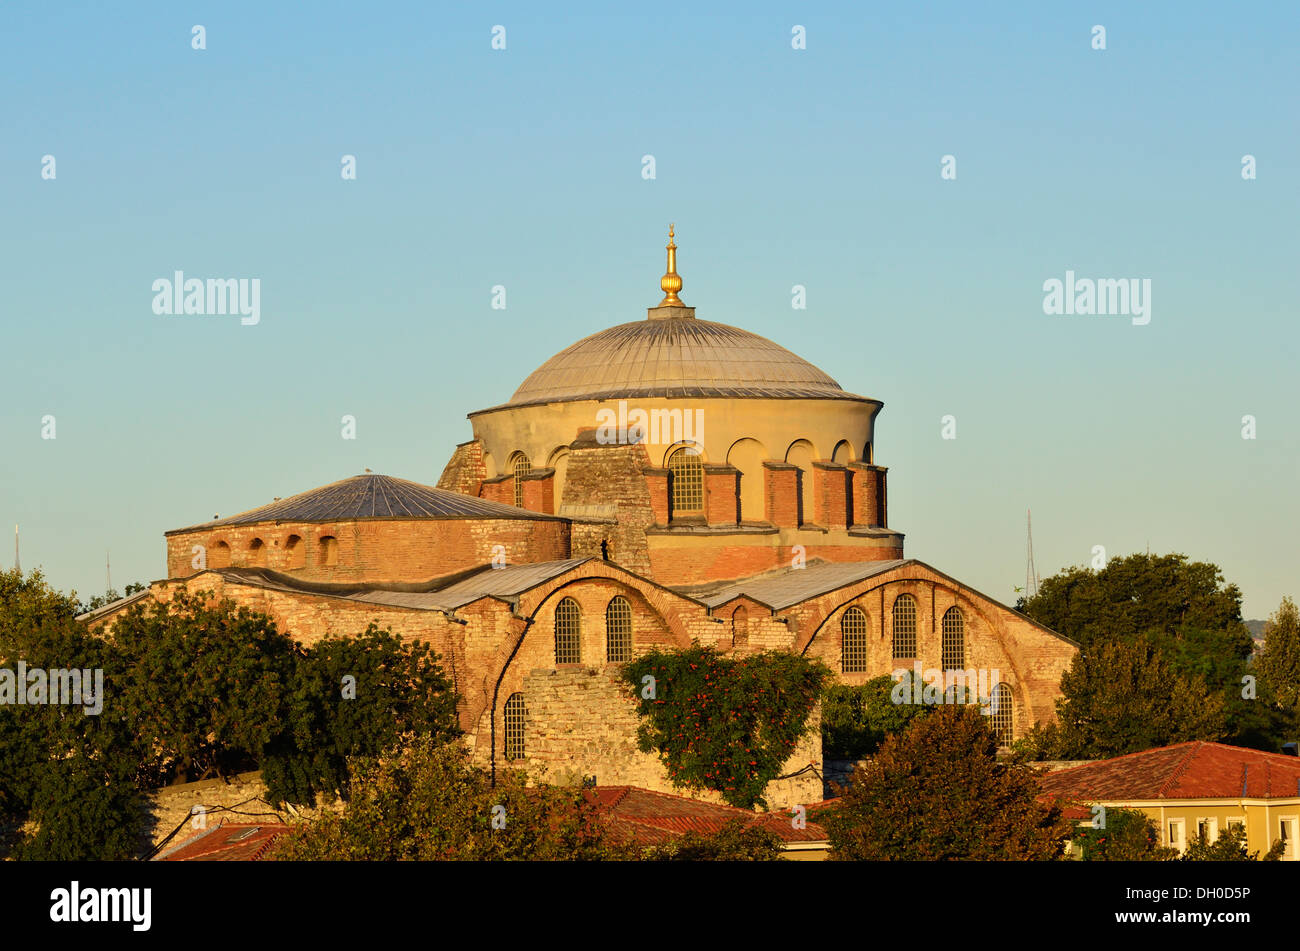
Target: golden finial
671, 283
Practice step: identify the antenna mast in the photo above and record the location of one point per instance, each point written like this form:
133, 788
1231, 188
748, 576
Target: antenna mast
1031, 575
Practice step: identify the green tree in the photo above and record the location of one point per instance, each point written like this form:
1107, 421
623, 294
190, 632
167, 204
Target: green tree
426, 802
354, 696
207, 687
857, 719
1230, 846
1186, 611
108, 597
1129, 835
1120, 697
1279, 661
84, 813
71, 770
737, 841
939, 791
1136, 594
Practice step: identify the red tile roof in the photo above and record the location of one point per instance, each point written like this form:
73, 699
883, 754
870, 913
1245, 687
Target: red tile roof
229, 842
1196, 770
641, 815
650, 818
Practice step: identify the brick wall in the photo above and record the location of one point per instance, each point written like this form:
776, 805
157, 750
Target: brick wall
538, 488
370, 550
683, 559
721, 494
781, 494
1027, 657
833, 492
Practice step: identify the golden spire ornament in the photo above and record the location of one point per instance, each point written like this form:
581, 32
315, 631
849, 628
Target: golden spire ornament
671, 283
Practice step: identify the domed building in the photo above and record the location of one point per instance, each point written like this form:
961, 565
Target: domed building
687, 450
666, 482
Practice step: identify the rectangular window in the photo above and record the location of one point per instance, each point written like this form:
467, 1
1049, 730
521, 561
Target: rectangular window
1286, 831
1176, 837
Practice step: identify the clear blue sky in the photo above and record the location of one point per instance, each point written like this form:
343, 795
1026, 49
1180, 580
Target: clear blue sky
522, 167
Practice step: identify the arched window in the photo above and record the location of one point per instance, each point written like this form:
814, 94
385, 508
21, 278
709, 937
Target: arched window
568, 632
515, 713
220, 555
293, 552
685, 482
519, 467
853, 641
954, 640
1002, 713
905, 626
256, 552
740, 627
327, 551
618, 631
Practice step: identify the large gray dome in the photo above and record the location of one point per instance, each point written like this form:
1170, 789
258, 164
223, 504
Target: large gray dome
675, 357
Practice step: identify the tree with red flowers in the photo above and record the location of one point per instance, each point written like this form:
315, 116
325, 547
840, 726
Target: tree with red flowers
721, 723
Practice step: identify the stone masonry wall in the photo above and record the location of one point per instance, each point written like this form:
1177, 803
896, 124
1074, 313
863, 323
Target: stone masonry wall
600, 475
583, 722
466, 469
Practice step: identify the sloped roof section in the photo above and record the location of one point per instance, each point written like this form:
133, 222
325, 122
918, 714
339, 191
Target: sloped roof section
1195, 770
649, 817
114, 606
371, 496
788, 586
505, 583
228, 842
440, 594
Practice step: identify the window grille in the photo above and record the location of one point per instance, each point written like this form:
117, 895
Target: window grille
618, 631
520, 467
686, 481
905, 626
568, 632
515, 713
954, 640
853, 641
1003, 720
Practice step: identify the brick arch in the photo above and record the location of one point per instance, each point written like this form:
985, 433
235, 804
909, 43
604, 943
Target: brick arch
682, 444
647, 593
1016, 680
669, 608
218, 546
